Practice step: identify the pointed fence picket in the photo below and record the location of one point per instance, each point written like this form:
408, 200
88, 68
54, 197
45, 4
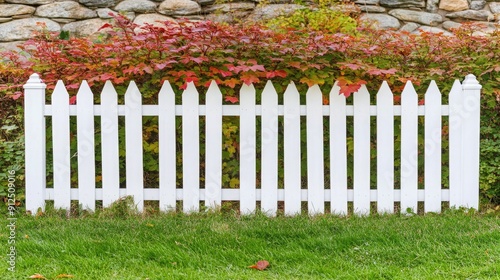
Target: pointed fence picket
463, 112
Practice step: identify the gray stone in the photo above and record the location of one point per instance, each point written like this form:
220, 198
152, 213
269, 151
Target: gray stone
205, 2
367, 2
432, 6
264, 12
8, 10
138, 6
430, 29
228, 17
22, 29
63, 20
372, 9
230, 7
403, 3
494, 7
417, 16
98, 3
65, 9
472, 15
30, 2
179, 7
454, 5
264, 2
106, 13
11, 46
5, 19
153, 19
409, 27
380, 21
85, 28
477, 5
449, 25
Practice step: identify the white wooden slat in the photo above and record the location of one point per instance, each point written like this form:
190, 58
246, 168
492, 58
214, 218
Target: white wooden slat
315, 147
109, 145
291, 145
61, 147
247, 150
190, 149
385, 149
86, 146
361, 151
409, 148
167, 147
338, 152
213, 147
269, 150
455, 143
432, 160
470, 142
133, 145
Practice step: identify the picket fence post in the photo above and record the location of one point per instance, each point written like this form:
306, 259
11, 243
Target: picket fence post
34, 135
470, 142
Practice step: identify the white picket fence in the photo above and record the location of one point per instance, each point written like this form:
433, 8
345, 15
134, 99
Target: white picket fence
463, 111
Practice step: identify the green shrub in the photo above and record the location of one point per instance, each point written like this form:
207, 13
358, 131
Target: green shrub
322, 19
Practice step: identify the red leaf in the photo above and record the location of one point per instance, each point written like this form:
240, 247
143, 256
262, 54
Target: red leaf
232, 99
248, 79
17, 95
231, 82
37, 276
72, 100
106, 25
260, 265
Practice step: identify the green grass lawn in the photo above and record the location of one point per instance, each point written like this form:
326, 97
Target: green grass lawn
454, 245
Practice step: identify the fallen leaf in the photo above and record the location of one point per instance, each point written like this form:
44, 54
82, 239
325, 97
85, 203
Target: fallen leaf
260, 265
65, 276
150, 225
37, 276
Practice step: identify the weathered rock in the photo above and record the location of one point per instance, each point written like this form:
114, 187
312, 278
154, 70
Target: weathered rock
449, 25
430, 29
8, 10
85, 28
381, 21
228, 17
494, 7
64, 20
205, 2
5, 19
454, 5
153, 19
98, 3
472, 15
372, 9
230, 7
263, 12
106, 13
417, 16
11, 46
30, 2
367, 2
22, 29
179, 7
65, 9
477, 5
409, 27
403, 3
138, 6
432, 6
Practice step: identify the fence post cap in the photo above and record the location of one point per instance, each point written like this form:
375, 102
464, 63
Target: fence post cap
471, 83
35, 82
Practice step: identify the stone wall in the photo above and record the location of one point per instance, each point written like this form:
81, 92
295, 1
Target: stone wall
18, 18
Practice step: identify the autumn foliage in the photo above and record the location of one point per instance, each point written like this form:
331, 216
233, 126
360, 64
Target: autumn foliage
233, 55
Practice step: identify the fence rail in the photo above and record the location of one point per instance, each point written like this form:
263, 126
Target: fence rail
463, 141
